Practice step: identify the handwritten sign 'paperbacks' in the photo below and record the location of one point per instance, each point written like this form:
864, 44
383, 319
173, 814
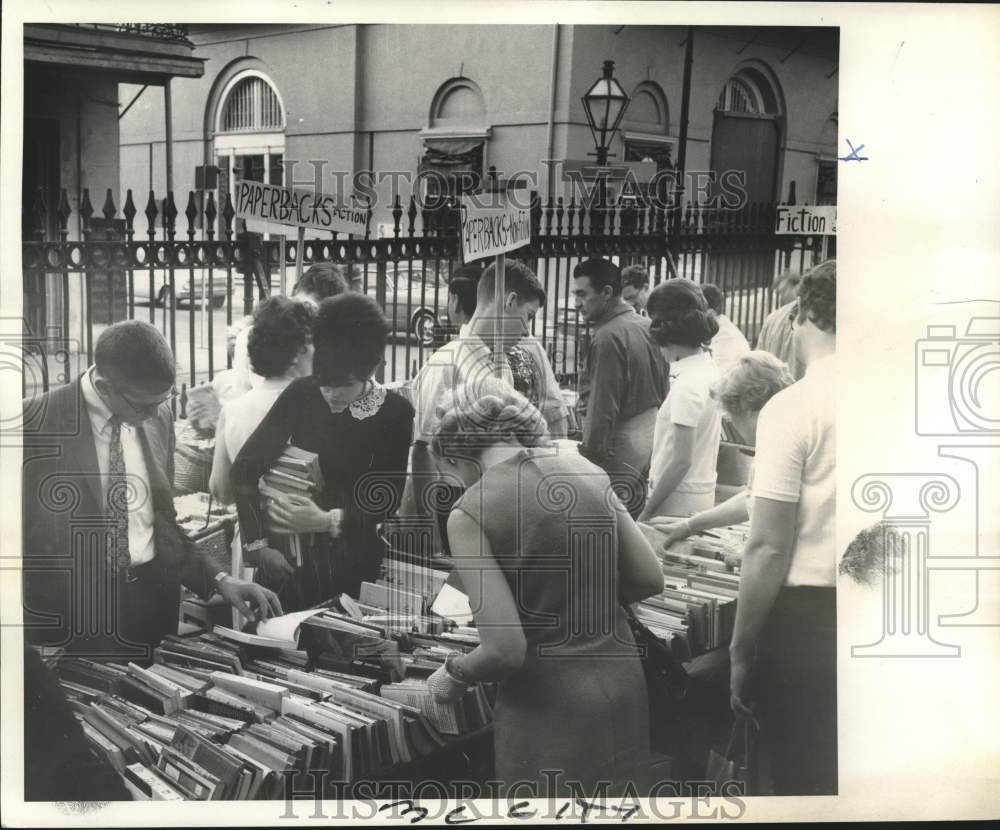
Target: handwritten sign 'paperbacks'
300, 208
814, 220
491, 230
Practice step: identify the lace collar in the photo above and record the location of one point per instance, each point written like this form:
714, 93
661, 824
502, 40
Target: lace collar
369, 403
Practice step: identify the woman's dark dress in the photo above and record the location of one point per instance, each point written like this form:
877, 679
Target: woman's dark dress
363, 461
579, 703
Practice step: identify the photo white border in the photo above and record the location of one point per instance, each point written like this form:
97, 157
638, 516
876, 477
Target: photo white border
919, 224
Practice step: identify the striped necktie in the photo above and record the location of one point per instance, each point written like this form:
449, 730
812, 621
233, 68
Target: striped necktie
118, 499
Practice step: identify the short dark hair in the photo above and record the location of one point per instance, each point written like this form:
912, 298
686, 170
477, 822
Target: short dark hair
350, 334
818, 296
466, 289
714, 296
518, 278
600, 272
636, 276
134, 352
322, 280
679, 314
282, 327
470, 271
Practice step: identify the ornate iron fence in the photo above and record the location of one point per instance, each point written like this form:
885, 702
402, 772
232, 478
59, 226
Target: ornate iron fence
198, 259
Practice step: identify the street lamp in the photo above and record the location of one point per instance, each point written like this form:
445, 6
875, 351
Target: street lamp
605, 104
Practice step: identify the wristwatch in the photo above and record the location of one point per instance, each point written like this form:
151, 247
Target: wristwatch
257, 544
455, 671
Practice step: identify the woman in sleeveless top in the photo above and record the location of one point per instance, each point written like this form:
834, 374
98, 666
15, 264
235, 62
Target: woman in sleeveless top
547, 554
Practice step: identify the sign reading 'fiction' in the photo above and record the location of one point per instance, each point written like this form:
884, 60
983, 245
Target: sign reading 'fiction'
300, 208
816, 220
489, 230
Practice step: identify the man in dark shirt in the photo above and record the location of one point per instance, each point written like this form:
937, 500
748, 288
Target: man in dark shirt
622, 383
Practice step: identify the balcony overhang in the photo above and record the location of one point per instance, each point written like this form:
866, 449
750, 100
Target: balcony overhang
130, 57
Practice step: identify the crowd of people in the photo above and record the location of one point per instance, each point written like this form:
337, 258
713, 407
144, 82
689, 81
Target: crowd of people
544, 536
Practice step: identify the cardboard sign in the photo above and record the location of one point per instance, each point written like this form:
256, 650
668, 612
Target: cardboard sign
299, 208
492, 230
811, 220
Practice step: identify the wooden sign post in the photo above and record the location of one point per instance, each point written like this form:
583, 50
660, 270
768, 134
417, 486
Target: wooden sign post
491, 227
300, 244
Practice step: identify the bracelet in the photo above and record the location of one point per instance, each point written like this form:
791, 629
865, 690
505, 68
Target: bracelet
257, 544
454, 671
336, 518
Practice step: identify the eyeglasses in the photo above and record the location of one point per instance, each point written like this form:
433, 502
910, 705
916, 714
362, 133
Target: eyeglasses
147, 406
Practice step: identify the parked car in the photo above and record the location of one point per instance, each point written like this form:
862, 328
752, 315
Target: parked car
183, 287
416, 301
563, 332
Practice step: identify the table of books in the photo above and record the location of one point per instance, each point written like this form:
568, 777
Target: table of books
310, 704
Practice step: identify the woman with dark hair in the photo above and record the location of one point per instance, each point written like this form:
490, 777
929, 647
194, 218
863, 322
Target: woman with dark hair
280, 349
320, 281
361, 433
688, 424
547, 554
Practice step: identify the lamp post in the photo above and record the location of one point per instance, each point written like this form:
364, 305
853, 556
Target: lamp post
605, 104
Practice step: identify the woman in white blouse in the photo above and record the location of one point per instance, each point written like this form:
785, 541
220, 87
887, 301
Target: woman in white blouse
742, 392
279, 347
689, 423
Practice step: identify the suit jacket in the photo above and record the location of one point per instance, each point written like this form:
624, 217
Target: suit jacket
72, 597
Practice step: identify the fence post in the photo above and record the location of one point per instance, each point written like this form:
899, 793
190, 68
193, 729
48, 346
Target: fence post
380, 291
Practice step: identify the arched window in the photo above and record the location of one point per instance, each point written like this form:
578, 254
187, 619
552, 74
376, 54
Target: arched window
249, 132
644, 135
252, 105
453, 157
739, 95
458, 103
751, 90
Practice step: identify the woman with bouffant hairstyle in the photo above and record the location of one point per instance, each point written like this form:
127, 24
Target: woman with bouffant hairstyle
547, 554
361, 432
689, 424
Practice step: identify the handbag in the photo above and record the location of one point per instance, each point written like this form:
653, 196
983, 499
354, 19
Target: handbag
735, 765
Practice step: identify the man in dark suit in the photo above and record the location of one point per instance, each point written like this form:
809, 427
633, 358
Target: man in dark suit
103, 557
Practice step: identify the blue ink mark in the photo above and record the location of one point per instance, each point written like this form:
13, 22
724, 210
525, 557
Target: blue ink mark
853, 155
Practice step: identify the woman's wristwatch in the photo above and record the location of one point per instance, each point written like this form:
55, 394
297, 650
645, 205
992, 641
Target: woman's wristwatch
455, 670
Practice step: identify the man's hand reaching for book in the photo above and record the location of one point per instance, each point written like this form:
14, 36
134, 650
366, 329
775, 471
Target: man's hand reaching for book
255, 602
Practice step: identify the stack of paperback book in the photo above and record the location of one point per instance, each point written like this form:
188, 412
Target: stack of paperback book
696, 610
295, 473
231, 715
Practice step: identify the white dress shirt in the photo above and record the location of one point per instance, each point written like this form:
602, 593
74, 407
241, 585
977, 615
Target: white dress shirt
141, 546
729, 345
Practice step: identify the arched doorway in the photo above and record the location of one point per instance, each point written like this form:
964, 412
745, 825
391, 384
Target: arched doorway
249, 133
746, 132
747, 137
